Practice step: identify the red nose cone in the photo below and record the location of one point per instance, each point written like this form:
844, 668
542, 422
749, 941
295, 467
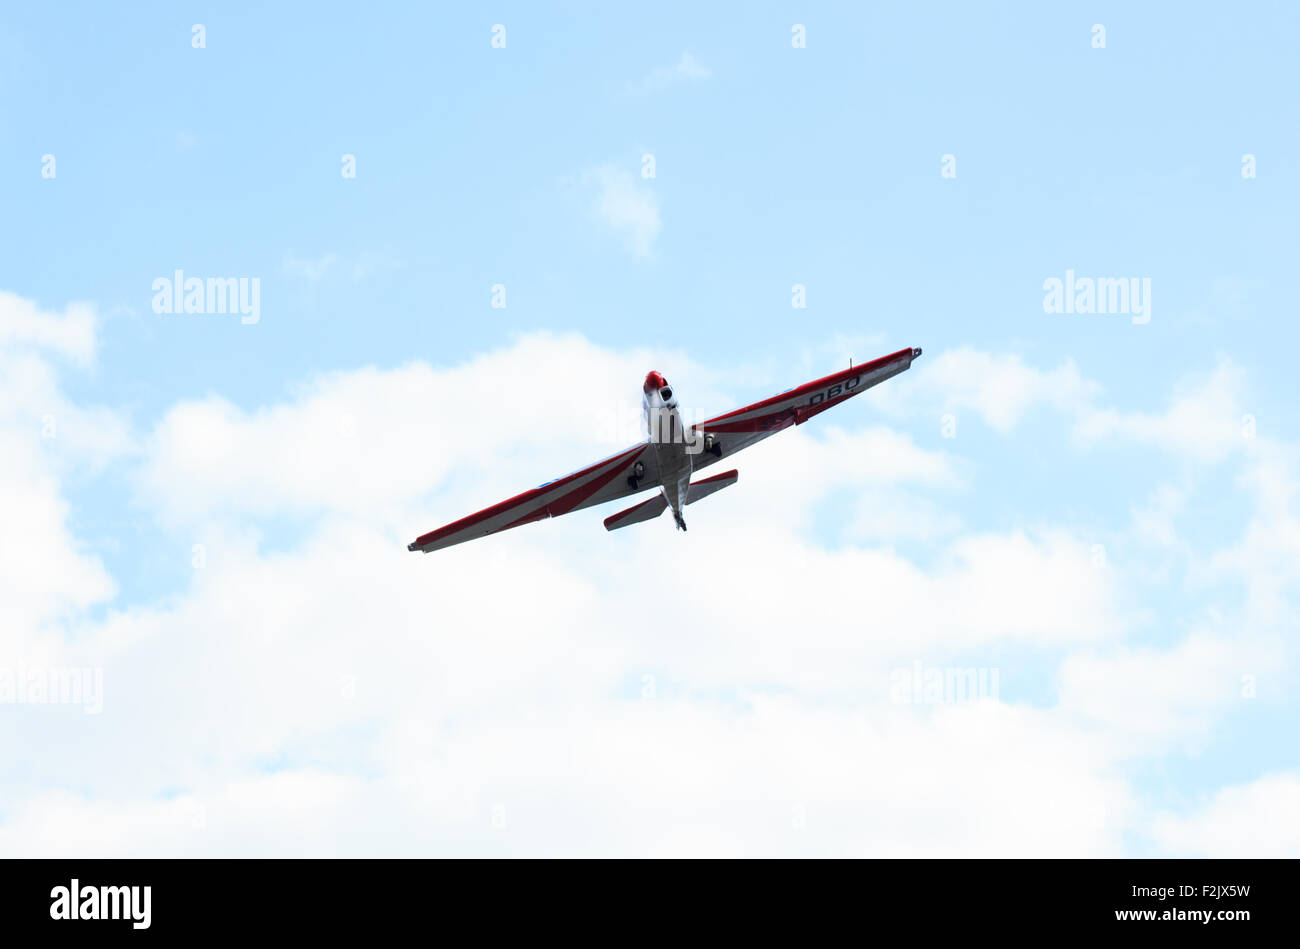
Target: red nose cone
653, 380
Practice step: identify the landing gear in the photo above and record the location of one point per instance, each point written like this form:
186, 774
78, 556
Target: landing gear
634, 479
681, 521
712, 445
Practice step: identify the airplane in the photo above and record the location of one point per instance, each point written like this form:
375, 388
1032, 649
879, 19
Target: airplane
671, 453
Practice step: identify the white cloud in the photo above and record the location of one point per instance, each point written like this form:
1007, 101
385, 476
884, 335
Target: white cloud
890, 517
628, 206
1257, 820
372, 701
1203, 421
1147, 696
642, 777
45, 575
999, 388
1266, 557
1154, 522
377, 441
70, 334
686, 69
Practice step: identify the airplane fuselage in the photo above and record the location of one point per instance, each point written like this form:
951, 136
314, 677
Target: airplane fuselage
670, 440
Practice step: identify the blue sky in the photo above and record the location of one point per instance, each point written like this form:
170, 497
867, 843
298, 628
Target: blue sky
774, 166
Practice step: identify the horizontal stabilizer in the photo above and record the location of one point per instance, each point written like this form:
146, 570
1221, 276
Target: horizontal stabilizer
635, 515
706, 486
648, 510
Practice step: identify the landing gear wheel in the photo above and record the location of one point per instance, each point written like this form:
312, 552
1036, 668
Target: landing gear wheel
634, 479
681, 521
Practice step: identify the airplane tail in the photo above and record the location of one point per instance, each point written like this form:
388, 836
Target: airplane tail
656, 505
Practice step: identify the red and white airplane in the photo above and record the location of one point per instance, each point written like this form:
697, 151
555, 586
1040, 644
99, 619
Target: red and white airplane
668, 457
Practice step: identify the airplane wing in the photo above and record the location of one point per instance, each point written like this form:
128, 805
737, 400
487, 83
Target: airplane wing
735, 431
595, 484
